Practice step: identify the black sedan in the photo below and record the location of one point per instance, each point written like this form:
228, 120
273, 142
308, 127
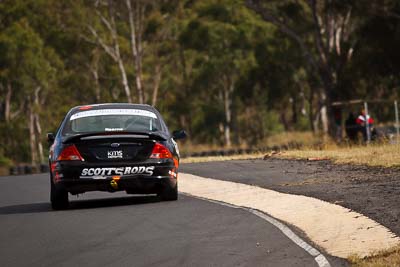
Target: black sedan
113, 147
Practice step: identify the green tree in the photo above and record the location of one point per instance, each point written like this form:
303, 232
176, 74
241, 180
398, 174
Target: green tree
28, 74
221, 32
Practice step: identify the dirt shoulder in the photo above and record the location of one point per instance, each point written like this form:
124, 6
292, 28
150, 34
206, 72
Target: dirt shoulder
372, 191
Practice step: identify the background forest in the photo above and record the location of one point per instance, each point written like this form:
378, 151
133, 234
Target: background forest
230, 72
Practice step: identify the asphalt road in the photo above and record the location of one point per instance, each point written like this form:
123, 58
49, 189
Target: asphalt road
102, 229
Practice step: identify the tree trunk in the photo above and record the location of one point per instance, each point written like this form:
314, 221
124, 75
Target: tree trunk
120, 62
112, 50
294, 112
227, 96
97, 85
140, 17
39, 134
7, 104
125, 82
327, 119
32, 134
316, 120
139, 87
310, 100
38, 127
156, 86
95, 74
135, 25
185, 90
94, 69
324, 119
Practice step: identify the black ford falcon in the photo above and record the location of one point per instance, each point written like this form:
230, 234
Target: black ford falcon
113, 147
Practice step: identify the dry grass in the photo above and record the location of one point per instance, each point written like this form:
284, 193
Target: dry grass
4, 171
385, 155
221, 158
388, 258
188, 147
285, 138
281, 139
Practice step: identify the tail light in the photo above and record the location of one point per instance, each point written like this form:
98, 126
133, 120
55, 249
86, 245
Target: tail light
160, 152
70, 153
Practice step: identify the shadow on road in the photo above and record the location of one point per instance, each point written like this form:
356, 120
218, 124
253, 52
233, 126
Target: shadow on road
111, 202
25, 208
79, 204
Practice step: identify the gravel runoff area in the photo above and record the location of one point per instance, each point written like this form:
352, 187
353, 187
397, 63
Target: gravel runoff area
372, 191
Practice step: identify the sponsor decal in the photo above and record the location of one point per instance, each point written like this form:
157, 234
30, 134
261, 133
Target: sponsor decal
113, 129
119, 171
103, 112
114, 154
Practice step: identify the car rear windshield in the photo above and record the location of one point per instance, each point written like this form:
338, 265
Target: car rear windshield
112, 120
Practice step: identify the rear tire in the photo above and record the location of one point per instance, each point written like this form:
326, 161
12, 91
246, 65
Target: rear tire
58, 197
169, 193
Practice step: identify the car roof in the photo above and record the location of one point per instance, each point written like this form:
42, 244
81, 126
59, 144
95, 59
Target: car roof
112, 105
121, 106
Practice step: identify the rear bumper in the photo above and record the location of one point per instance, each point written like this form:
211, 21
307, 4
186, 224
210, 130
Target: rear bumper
132, 185
138, 178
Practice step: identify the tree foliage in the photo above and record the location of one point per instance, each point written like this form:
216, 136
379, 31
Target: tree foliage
231, 72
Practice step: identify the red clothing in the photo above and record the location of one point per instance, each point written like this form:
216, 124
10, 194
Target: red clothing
361, 120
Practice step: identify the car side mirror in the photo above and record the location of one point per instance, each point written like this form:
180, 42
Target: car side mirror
50, 138
179, 134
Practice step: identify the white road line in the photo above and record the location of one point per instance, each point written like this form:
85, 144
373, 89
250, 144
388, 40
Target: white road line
318, 256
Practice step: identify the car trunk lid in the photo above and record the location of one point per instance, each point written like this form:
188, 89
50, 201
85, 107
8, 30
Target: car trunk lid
115, 147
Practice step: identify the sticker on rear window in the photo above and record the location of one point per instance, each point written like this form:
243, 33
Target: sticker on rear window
113, 129
104, 112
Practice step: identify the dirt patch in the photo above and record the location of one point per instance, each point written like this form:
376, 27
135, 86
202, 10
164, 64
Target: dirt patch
372, 191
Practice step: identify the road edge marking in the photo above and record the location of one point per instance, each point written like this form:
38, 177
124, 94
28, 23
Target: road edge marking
319, 258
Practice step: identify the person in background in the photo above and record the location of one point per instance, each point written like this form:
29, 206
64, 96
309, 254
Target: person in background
361, 121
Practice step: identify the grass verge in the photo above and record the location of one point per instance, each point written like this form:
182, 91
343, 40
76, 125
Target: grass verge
277, 140
385, 155
304, 138
387, 258
221, 158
